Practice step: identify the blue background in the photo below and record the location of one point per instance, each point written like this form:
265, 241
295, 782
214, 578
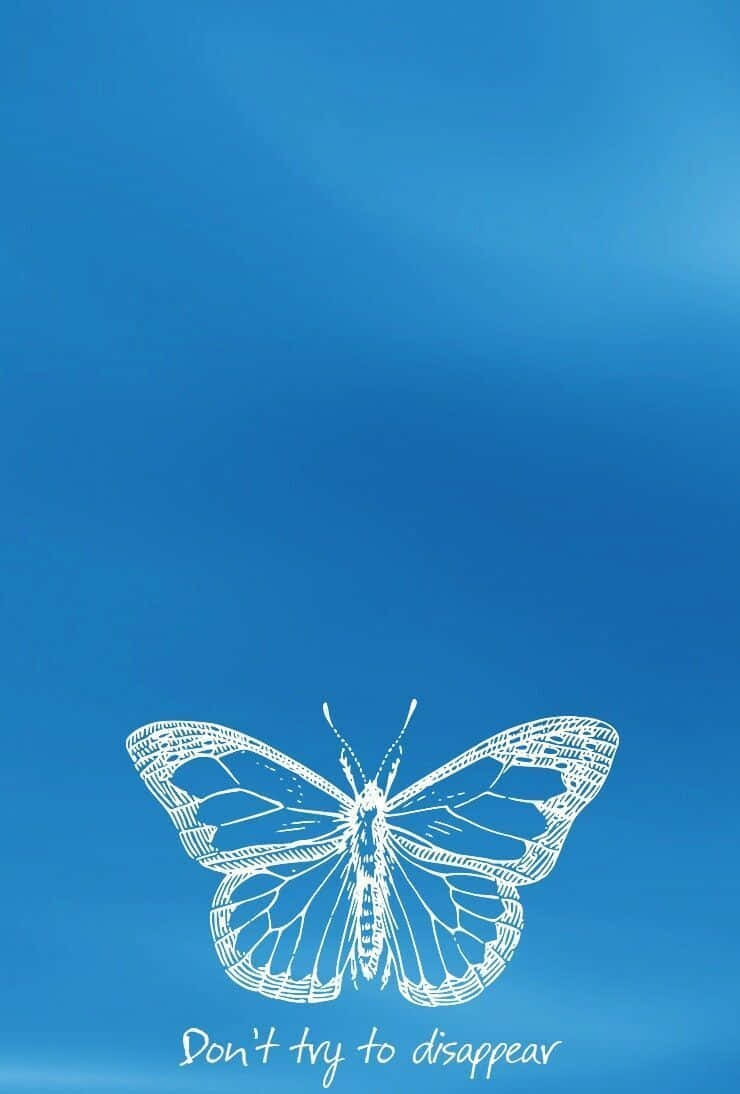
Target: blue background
361, 352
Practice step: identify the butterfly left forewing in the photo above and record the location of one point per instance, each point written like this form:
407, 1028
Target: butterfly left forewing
235, 800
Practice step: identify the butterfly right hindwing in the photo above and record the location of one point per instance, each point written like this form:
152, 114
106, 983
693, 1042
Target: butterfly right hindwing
450, 928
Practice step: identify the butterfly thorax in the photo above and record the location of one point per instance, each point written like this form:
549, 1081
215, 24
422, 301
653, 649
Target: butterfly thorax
368, 850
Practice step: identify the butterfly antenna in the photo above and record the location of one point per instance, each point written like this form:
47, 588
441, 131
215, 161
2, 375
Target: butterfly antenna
412, 707
345, 745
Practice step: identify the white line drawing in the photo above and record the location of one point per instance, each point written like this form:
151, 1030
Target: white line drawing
422, 885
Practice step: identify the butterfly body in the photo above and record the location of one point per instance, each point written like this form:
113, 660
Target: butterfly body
368, 849
320, 883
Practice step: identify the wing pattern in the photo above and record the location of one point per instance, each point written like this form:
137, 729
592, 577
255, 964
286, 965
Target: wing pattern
309, 875
466, 836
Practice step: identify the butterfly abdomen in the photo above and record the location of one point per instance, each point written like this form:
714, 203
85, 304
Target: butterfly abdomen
368, 856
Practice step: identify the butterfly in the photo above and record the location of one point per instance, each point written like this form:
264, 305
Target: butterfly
421, 885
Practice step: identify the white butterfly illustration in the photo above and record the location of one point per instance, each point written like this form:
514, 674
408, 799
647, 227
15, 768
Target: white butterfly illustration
422, 884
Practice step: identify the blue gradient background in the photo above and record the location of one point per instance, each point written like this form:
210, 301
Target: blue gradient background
360, 353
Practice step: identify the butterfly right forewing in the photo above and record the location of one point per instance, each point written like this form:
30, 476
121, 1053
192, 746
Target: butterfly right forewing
510, 800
